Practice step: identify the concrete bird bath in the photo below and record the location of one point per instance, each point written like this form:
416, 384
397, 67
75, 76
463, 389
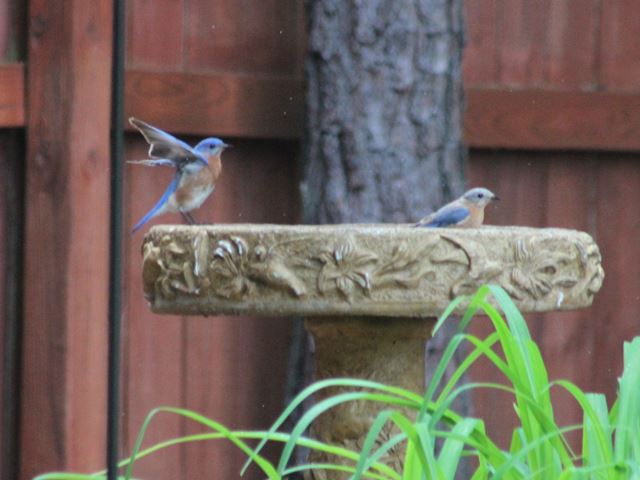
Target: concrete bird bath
369, 293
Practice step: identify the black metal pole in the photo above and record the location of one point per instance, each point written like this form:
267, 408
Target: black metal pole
116, 236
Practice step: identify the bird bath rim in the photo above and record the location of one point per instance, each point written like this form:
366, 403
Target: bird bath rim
384, 270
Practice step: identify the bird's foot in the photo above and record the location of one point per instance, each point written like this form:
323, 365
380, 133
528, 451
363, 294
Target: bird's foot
189, 218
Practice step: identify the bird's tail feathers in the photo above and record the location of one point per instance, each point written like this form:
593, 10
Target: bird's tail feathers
158, 206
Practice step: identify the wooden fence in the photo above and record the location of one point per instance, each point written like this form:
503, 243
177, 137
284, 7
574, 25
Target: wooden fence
553, 123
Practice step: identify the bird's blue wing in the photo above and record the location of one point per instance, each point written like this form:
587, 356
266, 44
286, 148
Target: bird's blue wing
165, 197
446, 217
166, 146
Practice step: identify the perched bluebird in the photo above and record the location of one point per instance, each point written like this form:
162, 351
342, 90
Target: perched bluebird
465, 212
197, 170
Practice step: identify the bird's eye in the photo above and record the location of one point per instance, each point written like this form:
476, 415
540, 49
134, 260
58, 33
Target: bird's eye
480, 195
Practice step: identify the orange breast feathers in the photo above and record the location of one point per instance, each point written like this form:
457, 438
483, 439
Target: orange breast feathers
475, 218
194, 188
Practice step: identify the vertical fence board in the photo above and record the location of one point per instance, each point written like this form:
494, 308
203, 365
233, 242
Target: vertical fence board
155, 33
619, 49
228, 36
480, 53
615, 313
572, 44
154, 348
66, 244
522, 41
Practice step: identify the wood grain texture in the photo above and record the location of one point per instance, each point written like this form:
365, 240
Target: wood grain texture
522, 41
573, 53
615, 315
271, 108
539, 119
532, 44
155, 34
252, 37
63, 388
223, 105
12, 108
12, 27
620, 52
480, 57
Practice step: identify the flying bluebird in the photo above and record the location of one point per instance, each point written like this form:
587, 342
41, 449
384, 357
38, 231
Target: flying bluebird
465, 212
197, 170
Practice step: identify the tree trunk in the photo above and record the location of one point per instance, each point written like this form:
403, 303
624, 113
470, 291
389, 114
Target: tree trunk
384, 99
384, 121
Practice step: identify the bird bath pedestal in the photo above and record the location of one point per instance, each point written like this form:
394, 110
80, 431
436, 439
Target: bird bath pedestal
369, 293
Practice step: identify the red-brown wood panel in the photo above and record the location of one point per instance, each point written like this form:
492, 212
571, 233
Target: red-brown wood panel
155, 34
248, 36
237, 105
66, 244
615, 314
539, 119
523, 41
11, 95
480, 64
619, 50
230, 69
572, 44
543, 43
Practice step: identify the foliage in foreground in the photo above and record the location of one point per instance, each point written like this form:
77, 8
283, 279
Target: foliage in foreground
538, 450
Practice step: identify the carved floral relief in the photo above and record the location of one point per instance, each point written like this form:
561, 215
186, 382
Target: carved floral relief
355, 267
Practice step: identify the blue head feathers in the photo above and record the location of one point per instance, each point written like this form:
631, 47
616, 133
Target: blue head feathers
211, 146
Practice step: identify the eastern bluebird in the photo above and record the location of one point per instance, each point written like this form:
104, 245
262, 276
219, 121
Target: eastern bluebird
197, 170
465, 212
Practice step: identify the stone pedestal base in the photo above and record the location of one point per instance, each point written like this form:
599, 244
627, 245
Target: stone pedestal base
390, 351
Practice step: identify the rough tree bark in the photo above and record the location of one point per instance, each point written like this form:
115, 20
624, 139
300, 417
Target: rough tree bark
384, 98
384, 121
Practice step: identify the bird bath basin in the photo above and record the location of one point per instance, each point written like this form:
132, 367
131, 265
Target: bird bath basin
370, 293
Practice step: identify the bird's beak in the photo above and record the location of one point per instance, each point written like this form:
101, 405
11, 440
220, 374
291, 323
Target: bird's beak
226, 145
495, 198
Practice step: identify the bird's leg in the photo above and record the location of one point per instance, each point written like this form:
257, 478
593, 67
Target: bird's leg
188, 218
